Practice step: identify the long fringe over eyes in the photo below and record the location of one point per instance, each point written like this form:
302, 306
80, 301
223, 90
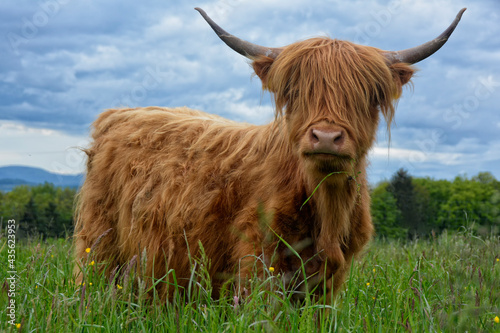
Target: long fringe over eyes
346, 81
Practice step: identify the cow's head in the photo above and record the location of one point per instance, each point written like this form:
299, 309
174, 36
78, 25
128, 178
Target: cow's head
331, 91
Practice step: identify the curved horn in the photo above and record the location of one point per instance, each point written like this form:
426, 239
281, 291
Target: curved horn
419, 53
241, 46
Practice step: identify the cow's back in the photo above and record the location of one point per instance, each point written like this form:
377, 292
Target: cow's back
159, 177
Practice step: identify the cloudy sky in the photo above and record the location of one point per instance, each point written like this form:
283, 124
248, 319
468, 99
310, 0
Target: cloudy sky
62, 62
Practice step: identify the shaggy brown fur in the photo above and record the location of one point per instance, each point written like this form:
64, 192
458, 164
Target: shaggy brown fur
163, 178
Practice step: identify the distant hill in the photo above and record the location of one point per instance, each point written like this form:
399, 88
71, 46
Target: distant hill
11, 176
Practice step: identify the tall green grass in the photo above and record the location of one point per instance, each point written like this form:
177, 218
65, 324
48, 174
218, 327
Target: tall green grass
447, 284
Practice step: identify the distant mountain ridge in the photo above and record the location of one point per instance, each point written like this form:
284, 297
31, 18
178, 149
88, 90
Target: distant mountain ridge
15, 175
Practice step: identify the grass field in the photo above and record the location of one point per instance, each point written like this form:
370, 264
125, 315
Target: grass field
448, 284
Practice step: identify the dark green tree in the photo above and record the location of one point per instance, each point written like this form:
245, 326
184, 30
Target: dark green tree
29, 223
52, 221
402, 189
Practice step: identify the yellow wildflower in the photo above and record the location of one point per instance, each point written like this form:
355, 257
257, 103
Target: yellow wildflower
368, 284
496, 320
87, 250
119, 287
19, 325
92, 263
271, 269
374, 270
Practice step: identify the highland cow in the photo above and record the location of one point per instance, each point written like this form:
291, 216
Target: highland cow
166, 181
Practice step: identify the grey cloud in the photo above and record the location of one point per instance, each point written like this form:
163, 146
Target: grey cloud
88, 56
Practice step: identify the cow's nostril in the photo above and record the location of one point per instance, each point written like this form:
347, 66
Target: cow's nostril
314, 136
338, 138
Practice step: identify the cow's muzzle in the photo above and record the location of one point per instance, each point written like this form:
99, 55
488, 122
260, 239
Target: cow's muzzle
326, 141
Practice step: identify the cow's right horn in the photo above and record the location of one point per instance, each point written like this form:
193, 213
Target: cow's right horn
241, 46
419, 53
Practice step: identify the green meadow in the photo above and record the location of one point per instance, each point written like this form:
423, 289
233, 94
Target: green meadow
449, 283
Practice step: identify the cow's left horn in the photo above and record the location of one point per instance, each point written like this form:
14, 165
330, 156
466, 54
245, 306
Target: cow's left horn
241, 46
419, 53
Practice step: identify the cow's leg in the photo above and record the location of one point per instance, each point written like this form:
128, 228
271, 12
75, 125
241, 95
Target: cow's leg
248, 252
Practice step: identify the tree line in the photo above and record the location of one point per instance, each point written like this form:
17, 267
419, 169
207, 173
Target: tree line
42, 210
407, 207
403, 207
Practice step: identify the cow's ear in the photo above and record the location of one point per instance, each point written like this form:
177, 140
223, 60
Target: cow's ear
402, 74
261, 66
